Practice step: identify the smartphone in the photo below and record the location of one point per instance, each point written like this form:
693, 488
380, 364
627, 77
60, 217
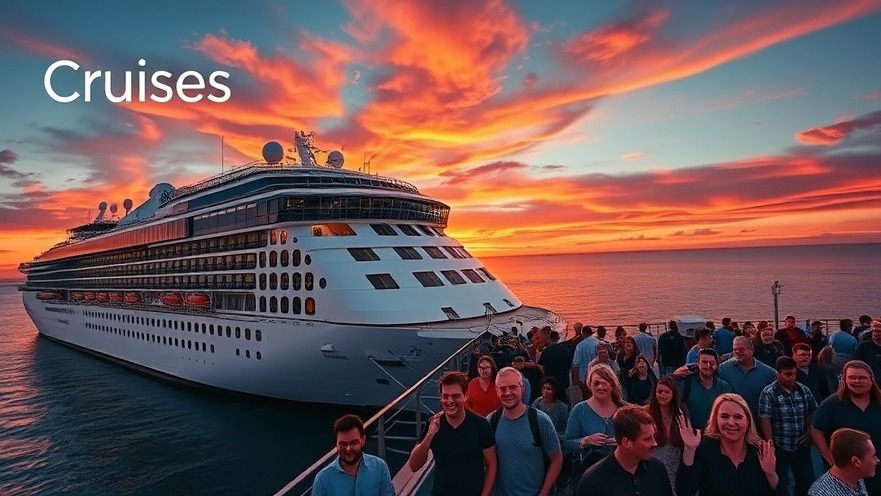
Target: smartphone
692, 367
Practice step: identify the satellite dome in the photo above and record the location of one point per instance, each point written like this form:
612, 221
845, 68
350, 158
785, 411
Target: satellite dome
113, 208
273, 152
102, 206
335, 159
127, 204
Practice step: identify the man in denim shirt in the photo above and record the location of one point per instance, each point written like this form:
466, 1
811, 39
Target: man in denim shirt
353, 472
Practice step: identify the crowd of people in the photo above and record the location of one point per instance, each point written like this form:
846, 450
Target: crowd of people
744, 410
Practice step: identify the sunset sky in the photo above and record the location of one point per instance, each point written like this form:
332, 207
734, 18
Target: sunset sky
564, 126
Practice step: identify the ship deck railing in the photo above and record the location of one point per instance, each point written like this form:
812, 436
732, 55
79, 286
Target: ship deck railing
396, 428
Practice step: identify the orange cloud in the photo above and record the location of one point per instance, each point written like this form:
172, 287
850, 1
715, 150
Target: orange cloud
834, 134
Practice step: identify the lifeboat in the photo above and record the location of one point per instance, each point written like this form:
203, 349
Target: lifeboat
48, 295
89, 296
132, 298
172, 299
116, 297
77, 295
102, 296
198, 300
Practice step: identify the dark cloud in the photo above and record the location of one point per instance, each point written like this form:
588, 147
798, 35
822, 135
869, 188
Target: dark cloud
530, 80
836, 133
8, 156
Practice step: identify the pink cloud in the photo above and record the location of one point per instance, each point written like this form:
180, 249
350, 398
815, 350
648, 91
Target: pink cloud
835, 133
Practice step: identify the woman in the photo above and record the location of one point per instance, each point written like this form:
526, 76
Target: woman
626, 359
589, 432
482, 396
665, 406
732, 460
551, 402
766, 349
620, 334
640, 381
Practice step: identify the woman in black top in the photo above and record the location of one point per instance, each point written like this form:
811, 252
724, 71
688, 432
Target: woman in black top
732, 460
640, 381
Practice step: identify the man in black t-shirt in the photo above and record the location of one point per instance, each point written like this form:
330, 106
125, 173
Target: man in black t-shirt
555, 361
462, 443
671, 346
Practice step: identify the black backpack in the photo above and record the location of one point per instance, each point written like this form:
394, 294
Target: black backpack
532, 416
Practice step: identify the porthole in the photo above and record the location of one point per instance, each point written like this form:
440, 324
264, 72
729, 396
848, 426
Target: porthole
310, 281
296, 281
247, 334
258, 335
285, 258
228, 331
285, 282
307, 259
310, 306
262, 282
262, 258
259, 356
263, 304
322, 283
247, 353
238, 353
285, 306
273, 281
212, 348
295, 259
211, 329
273, 258
273, 305
238, 333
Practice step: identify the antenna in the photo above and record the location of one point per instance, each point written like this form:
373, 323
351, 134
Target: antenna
221, 154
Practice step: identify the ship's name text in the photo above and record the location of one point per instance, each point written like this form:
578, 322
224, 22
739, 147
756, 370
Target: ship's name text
188, 87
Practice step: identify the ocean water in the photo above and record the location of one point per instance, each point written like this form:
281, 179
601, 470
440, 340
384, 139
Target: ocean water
71, 423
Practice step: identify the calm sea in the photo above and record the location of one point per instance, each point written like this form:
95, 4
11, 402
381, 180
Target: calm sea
74, 424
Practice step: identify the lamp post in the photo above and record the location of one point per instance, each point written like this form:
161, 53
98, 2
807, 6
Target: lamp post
776, 288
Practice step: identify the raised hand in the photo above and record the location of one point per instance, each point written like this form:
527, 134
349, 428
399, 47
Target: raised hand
691, 437
767, 458
434, 424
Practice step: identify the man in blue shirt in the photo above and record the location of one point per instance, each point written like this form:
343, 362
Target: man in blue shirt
704, 339
723, 337
353, 472
747, 376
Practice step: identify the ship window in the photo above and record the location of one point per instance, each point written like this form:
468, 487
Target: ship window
283, 237
434, 252
211, 329
273, 258
334, 229
408, 253
285, 306
262, 282
285, 258
487, 274
228, 331
247, 353
262, 259
472, 275
263, 304
322, 283
296, 304
285, 281
258, 335
295, 259
384, 229
310, 306
250, 303
428, 279
426, 230
273, 237
212, 348
363, 254
450, 313
239, 329
453, 276
273, 305
259, 356
382, 281
307, 259
452, 250
273, 281
508, 302
310, 281
176, 342
238, 353
296, 281
408, 230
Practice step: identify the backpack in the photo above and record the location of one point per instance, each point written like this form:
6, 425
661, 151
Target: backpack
532, 416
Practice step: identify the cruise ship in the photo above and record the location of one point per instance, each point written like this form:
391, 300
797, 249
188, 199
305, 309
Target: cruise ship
282, 278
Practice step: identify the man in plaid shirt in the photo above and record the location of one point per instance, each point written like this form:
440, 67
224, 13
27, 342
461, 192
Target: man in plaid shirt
786, 408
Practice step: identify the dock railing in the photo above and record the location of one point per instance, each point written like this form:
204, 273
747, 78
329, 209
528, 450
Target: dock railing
397, 426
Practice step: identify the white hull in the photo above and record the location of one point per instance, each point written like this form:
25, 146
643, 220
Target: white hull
309, 361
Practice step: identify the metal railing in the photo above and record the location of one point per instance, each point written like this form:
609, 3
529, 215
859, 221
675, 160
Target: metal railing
404, 413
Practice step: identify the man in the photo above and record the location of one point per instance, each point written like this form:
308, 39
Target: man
869, 351
672, 349
461, 442
723, 337
767, 349
818, 338
854, 459
863, 331
699, 391
843, 342
531, 378
820, 380
790, 335
353, 472
647, 345
704, 338
585, 352
856, 405
786, 409
631, 466
555, 360
577, 337
522, 469
747, 376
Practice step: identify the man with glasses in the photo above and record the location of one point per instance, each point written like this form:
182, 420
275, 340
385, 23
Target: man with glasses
353, 471
856, 405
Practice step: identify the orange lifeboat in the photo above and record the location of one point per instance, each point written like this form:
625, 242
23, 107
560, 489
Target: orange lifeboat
198, 300
102, 297
172, 299
48, 295
132, 298
89, 296
116, 297
77, 295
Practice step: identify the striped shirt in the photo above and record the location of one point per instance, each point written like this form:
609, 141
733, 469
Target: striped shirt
789, 412
827, 485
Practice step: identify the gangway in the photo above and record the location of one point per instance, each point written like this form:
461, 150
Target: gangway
397, 427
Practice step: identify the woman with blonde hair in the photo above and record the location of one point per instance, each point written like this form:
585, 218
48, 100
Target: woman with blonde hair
732, 460
590, 434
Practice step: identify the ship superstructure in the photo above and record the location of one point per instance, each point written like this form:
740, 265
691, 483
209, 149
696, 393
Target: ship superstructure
283, 279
